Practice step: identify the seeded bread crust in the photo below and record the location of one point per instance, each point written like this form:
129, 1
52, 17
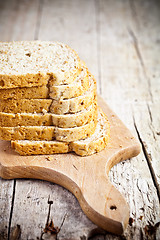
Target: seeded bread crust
40, 147
25, 105
97, 142
27, 132
88, 146
30, 118
48, 133
76, 104
25, 119
77, 119
35, 63
74, 89
76, 133
25, 93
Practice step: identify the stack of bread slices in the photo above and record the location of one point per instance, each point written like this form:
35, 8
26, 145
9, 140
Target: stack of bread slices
48, 100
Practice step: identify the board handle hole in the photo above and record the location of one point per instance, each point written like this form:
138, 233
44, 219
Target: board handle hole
113, 207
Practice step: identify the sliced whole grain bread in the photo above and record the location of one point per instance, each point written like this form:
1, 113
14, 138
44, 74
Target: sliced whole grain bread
25, 147
97, 141
35, 63
76, 133
74, 89
27, 132
25, 93
76, 104
88, 146
48, 133
25, 105
77, 119
25, 119
37, 113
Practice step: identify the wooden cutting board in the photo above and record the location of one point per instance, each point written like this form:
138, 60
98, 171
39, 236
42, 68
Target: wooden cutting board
86, 177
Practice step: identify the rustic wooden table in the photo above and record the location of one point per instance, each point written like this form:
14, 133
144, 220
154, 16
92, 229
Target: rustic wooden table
120, 43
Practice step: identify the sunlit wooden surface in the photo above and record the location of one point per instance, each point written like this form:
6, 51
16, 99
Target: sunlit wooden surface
120, 43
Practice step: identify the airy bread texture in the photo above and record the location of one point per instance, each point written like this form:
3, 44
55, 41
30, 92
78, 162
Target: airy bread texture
88, 146
76, 104
35, 63
25, 93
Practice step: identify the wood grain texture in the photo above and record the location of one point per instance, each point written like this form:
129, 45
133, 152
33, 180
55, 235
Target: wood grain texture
145, 29
18, 21
130, 95
119, 71
85, 177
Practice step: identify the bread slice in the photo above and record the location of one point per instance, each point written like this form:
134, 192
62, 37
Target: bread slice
48, 132
76, 104
25, 105
34, 63
25, 147
25, 119
88, 146
77, 119
25, 92
27, 132
74, 89
97, 141
28, 112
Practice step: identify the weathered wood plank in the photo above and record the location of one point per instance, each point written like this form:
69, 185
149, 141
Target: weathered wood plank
6, 193
74, 23
145, 33
56, 23
18, 19
125, 89
31, 199
101, 32
17, 22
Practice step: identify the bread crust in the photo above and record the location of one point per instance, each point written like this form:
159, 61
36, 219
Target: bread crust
27, 132
25, 105
82, 147
76, 104
25, 93
72, 90
97, 144
77, 119
48, 133
40, 147
19, 68
24, 115
25, 119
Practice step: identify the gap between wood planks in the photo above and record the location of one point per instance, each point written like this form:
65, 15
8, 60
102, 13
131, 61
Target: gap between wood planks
148, 159
11, 211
